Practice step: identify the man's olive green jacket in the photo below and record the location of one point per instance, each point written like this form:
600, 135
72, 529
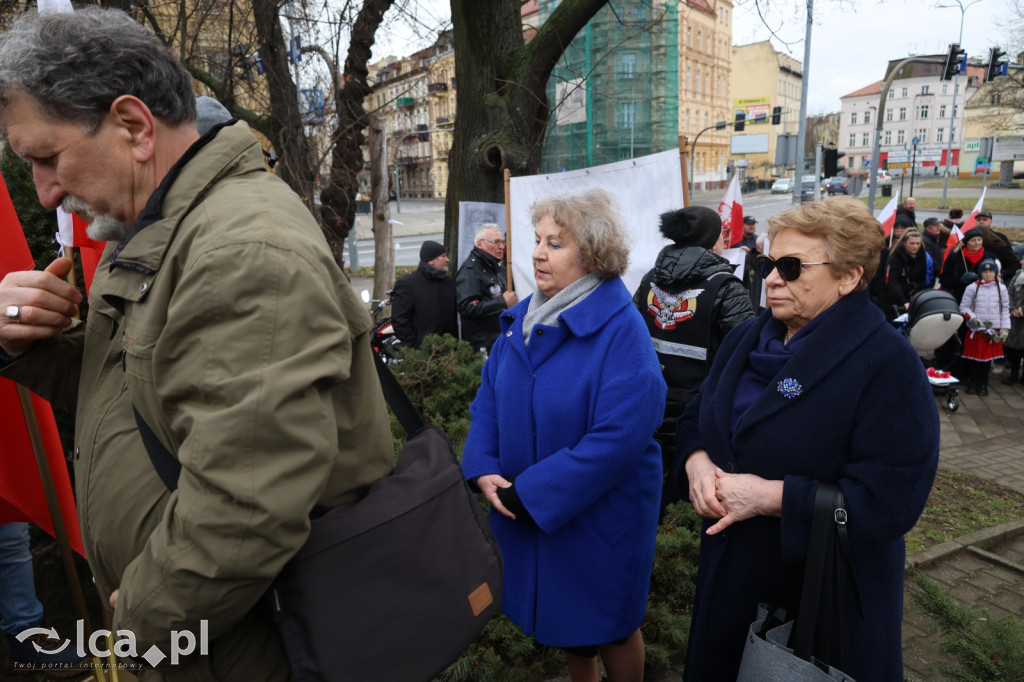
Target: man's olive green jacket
224, 320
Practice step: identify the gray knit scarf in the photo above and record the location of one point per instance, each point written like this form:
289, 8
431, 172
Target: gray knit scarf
545, 311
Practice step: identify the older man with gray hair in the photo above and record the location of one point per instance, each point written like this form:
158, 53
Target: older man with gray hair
481, 287
220, 329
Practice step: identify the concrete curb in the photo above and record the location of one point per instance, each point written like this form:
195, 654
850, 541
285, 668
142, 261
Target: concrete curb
982, 539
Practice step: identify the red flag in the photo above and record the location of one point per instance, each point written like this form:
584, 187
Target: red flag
21, 489
730, 210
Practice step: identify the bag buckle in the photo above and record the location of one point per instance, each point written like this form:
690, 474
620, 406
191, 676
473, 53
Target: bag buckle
840, 516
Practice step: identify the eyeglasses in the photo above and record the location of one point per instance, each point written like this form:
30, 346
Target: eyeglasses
500, 242
789, 267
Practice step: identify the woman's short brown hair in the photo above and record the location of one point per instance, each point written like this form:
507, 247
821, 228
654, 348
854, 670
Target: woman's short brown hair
594, 222
852, 235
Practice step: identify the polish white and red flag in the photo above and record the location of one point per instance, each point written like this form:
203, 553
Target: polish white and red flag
888, 215
969, 222
957, 233
730, 210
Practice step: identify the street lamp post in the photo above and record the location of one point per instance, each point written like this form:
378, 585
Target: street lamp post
719, 125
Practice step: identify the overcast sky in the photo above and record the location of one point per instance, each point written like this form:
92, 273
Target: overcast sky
851, 42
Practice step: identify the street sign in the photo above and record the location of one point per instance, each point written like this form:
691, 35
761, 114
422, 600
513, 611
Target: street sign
1008, 148
915, 140
899, 164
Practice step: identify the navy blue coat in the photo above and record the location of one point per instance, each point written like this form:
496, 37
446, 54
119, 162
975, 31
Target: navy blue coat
865, 417
571, 419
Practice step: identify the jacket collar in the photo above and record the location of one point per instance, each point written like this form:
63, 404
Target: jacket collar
231, 149
848, 327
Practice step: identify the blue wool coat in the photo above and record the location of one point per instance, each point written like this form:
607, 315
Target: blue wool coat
865, 417
571, 419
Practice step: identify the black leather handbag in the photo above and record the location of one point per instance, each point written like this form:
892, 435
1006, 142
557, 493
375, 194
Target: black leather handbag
395, 586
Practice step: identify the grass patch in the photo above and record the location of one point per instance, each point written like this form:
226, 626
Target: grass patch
957, 182
960, 504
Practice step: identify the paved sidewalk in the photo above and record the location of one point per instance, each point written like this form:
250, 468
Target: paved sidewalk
984, 437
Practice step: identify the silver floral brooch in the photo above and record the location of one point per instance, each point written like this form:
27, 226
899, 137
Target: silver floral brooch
790, 388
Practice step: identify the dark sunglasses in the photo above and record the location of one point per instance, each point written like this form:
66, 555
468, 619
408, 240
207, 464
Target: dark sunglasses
789, 267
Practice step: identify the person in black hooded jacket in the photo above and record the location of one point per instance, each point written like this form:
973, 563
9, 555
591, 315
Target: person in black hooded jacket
689, 300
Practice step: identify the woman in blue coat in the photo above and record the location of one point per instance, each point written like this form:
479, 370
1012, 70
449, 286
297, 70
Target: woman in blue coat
562, 444
817, 388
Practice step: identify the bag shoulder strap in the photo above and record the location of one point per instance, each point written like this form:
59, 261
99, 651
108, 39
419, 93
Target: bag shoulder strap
168, 468
397, 399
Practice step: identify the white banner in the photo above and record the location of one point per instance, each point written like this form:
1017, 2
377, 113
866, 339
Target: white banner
643, 188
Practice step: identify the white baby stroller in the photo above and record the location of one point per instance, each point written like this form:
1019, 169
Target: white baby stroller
933, 318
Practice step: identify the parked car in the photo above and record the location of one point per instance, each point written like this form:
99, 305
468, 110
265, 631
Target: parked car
782, 186
807, 184
836, 185
884, 178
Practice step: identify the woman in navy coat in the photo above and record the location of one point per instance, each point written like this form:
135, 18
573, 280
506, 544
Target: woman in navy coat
817, 388
562, 444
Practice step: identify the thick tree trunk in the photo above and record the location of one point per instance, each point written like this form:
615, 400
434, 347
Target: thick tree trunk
287, 135
338, 208
502, 96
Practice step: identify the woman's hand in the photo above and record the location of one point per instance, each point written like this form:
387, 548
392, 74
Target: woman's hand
489, 484
745, 496
700, 471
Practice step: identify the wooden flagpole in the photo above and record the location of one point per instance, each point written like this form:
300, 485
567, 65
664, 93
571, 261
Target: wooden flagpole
509, 285
53, 505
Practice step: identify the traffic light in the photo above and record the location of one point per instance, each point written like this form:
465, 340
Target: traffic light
741, 118
776, 115
995, 67
951, 67
831, 162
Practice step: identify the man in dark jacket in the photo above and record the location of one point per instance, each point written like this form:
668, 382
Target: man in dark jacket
998, 244
689, 301
424, 301
480, 285
909, 209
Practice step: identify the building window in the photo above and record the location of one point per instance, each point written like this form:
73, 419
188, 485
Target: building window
903, 113
942, 111
903, 92
867, 117
627, 65
865, 139
995, 99
888, 114
892, 93
925, 90
939, 134
689, 39
888, 137
853, 118
944, 89
901, 138
922, 111
687, 79
952, 135
853, 139
700, 39
627, 114
922, 136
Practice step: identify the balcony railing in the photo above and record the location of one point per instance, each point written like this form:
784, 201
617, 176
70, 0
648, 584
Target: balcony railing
437, 88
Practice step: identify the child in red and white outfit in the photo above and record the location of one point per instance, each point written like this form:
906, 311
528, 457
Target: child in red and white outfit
986, 308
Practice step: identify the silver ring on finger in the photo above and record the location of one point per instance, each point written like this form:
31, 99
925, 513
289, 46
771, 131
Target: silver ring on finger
13, 313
